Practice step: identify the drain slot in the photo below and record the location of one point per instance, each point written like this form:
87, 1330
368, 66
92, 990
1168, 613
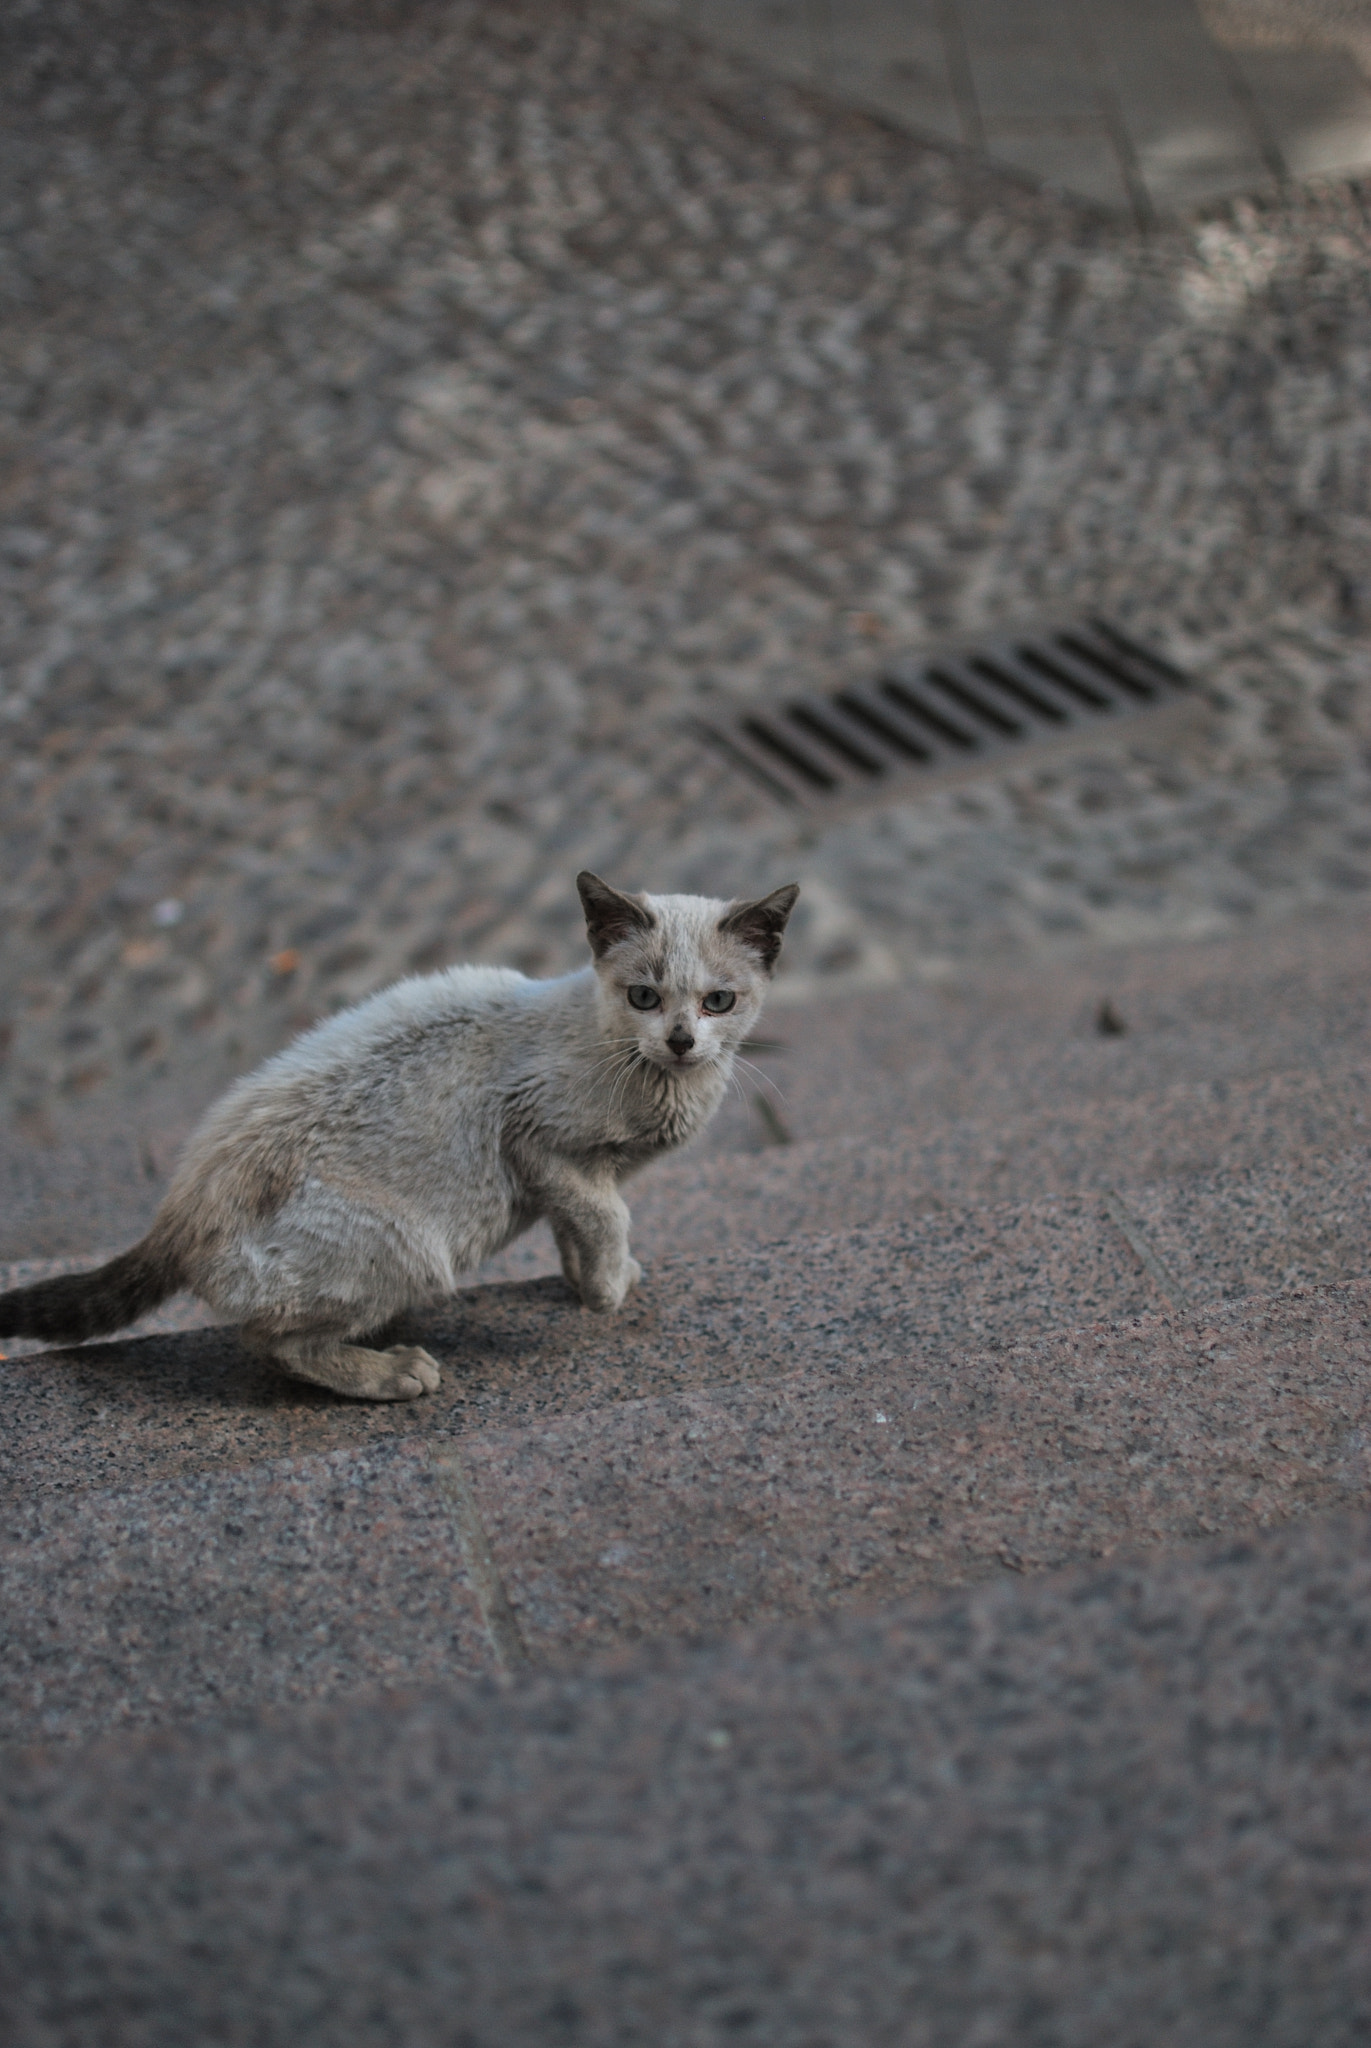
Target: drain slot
882, 720
1136, 668
1059, 669
827, 725
788, 753
1024, 686
949, 717
912, 694
980, 703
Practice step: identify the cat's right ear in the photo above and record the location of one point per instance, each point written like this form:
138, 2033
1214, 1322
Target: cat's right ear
610, 915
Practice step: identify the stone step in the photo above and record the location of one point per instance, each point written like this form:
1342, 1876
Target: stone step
135, 1410
1127, 1803
883, 1465
861, 1482
107, 1415
293, 1579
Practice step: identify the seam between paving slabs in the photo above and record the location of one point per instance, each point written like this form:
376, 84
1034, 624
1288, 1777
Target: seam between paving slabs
1152, 1263
497, 1612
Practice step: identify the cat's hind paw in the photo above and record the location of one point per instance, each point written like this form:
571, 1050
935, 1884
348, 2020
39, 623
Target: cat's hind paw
411, 1372
402, 1373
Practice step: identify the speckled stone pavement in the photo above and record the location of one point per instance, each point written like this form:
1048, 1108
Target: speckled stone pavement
411, 411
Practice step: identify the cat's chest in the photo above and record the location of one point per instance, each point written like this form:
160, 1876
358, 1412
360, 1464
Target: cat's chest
622, 1132
670, 1125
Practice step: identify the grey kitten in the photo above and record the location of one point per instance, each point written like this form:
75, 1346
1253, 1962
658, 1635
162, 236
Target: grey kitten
389, 1150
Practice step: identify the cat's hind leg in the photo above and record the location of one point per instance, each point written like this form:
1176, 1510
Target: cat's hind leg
308, 1286
400, 1373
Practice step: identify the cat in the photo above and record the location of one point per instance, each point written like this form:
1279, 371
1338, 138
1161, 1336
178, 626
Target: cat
393, 1147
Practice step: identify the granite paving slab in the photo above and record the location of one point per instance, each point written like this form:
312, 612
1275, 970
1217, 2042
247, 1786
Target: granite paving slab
947, 1279
297, 1579
991, 1044
1190, 133
1289, 1223
1034, 1059
98, 1181
157, 1406
1142, 110
1192, 1128
1010, 1040
1313, 105
894, 56
1127, 1804
780, 1498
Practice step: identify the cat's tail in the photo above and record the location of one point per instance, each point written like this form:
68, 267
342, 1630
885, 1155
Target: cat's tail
76, 1305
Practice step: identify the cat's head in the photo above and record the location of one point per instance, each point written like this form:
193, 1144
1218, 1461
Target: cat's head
683, 975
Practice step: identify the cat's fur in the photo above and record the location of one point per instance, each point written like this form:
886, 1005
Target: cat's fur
388, 1151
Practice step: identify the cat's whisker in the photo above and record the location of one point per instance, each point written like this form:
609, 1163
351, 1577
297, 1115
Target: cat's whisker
614, 1071
624, 1048
767, 1080
764, 1079
620, 1089
620, 1057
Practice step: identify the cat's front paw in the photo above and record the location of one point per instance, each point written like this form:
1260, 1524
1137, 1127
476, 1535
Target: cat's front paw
605, 1292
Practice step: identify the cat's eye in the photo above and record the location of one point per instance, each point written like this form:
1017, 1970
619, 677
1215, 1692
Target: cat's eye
718, 1002
643, 998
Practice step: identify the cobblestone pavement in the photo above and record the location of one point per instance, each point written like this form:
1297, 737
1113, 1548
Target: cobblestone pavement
1294, 25
411, 411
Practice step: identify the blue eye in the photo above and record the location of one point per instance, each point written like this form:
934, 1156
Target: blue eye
643, 998
718, 1002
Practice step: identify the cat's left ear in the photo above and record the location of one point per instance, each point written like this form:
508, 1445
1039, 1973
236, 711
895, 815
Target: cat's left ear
761, 926
610, 915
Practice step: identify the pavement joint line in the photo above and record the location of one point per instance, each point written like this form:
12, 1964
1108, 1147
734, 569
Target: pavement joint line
502, 1626
1111, 113
1257, 120
1154, 1266
960, 75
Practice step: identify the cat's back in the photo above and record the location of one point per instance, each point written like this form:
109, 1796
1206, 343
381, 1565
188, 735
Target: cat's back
459, 1011
397, 1056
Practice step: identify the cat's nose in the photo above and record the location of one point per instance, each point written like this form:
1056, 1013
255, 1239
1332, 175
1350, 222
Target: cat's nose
680, 1041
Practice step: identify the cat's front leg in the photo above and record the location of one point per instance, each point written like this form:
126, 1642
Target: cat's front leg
600, 1266
569, 1252
608, 1289
590, 1226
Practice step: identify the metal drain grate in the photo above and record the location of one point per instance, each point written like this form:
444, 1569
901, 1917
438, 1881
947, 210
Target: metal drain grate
950, 717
